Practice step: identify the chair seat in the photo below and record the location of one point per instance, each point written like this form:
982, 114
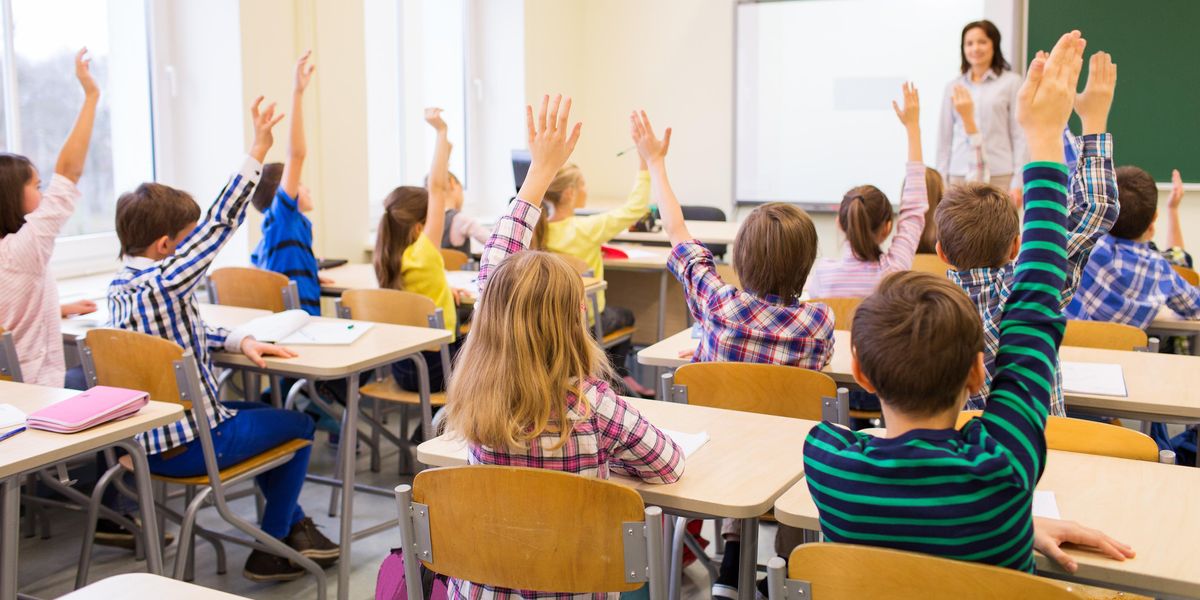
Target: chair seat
389, 391
284, 449
618, 335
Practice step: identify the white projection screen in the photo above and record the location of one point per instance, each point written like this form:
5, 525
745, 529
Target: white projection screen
814, 85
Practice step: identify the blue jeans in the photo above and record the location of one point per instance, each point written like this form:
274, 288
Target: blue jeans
255, 429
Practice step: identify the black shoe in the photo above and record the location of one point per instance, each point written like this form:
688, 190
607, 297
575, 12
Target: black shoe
312, 544
261, 566
109, 533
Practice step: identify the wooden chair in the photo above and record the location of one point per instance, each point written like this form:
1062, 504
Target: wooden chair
252, 288
169, 374
1105, 336
10, 365
828, 571
586, 534
1089, 437
397, 308
454, 259
1187, 274
765, 389
929, 263
843, 310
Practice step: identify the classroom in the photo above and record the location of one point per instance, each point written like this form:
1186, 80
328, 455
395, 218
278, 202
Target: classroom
599, 298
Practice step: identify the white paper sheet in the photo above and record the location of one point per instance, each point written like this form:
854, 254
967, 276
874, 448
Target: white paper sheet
1104, 379
327, 333
1045, 504
11, 416
467, 280
689, 442
640, 254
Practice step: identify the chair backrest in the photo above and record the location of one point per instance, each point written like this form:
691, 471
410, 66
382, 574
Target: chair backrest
1090, 437
750, 387
843, 572
843, 310
706, 213
10, 364
929, 263
1187, 274
109, 359
575, 262
454, 259
1106, 336
574, 542
395, 307
250, 288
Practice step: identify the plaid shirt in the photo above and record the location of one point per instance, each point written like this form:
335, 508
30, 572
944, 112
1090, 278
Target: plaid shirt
740, 326
606, 433
1128, 282
158, 298
1093, 211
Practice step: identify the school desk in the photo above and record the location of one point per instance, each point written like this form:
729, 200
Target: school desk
1159, 385
708, 232
1153, 507
1167, 324
144, 585
361, 276
33, 449
748, 461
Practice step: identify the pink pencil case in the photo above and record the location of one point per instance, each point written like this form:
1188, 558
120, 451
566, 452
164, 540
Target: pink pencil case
98, 405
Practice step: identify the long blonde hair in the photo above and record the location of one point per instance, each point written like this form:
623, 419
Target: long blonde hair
530, 346
567, 178
403, 210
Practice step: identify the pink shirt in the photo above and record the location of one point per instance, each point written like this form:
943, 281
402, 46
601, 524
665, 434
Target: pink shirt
29, 300
849, 277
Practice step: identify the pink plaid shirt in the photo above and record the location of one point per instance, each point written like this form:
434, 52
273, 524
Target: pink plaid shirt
606, 433
743, 327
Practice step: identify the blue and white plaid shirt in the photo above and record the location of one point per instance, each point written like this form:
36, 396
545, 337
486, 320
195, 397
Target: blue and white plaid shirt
1093, 211
158, 298
1128, 282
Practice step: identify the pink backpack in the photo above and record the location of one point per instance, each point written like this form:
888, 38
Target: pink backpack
390, 583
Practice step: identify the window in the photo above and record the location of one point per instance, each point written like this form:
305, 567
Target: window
41, 99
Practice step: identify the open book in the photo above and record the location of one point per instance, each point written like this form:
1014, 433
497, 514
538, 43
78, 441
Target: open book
296, 327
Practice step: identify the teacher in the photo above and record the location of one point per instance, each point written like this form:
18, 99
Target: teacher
978, 135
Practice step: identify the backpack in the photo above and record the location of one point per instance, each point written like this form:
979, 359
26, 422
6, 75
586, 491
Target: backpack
390, 583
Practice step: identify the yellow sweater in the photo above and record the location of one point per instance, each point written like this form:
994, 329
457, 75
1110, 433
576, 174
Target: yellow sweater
582, 236
424, 272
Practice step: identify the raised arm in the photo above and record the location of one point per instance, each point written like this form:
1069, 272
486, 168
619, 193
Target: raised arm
1174, 229
297, 146
439, 179
653, 152
914, 198
75, 149
964, 105
1020, 145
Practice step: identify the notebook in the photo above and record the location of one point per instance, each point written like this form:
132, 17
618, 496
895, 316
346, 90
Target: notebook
10, 416
85, 410
296, 327
688, 442
1102, 379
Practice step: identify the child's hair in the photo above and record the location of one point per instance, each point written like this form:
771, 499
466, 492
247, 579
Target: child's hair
567, 178
999, 65
15, 173
863, 211
917, 314
934, 187
403, 210
976, 226
268, 184
1138, 196
530, 346
774, 250
152, 211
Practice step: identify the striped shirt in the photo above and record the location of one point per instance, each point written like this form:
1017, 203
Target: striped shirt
1094, 209
964, 494
738, 326
852, 277
158, 298
1128, 282
29, 305
286, 248
607, 434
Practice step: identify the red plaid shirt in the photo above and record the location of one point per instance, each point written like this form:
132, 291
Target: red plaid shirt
742, 327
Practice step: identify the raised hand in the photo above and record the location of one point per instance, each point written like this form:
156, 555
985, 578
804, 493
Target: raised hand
1094, 102
433, 116
550, 143
910, 114
304, 72
964, 105
1046, 98
83, 72
1176, 190
651, 149
264, 121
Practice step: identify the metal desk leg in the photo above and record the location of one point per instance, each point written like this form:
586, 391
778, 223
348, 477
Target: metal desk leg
150, 532
349, 441
748, 564
662, 304
10, 515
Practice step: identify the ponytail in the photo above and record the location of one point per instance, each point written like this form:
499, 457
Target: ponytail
403, 210
863, 212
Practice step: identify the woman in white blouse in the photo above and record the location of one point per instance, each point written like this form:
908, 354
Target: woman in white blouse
987, 145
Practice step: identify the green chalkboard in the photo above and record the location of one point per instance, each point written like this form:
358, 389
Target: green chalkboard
1155, 119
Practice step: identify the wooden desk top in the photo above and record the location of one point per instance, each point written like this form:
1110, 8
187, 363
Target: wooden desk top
709, 232
748, 461
145, 585
1157, 383
361, 276
32, 448
1152, 507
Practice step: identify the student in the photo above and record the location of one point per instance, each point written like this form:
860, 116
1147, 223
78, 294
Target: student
1176, 251
166, 251
865, 217
935, 188
406, 249
765, 322
1126, 280
286, 245
979, 226
30, 221
460, 228
561, 231
560, 413
980, 479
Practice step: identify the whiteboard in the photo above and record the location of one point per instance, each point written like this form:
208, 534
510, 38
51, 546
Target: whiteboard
814, 85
